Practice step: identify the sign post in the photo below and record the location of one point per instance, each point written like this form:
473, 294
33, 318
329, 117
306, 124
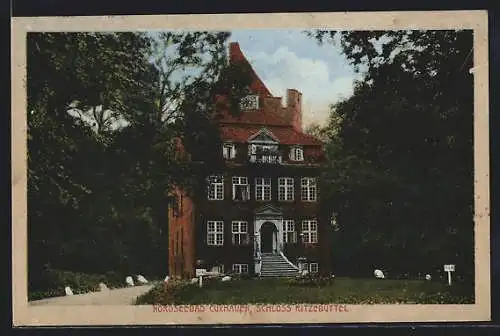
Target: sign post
200, 272
449, 269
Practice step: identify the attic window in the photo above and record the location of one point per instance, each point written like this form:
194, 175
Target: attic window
229, 151
297, 153
250, 102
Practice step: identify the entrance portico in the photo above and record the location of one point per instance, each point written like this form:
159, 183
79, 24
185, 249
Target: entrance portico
268, 230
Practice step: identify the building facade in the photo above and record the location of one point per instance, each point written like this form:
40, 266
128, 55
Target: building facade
261, 215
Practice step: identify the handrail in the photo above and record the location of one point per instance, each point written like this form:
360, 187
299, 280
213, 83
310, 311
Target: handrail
288, 261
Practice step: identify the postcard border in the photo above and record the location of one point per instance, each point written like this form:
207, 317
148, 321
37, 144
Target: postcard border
24, 315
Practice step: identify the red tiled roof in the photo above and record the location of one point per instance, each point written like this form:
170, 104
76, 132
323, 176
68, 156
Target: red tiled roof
286, 135
255, 117
240, 128
257, 86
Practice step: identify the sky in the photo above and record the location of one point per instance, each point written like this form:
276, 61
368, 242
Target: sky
289, 59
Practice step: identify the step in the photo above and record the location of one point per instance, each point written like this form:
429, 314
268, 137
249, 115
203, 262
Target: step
275, 266
279, 269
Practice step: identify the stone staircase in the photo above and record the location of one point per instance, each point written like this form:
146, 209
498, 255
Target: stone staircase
275, 266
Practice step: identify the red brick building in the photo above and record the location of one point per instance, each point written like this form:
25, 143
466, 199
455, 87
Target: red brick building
262, 213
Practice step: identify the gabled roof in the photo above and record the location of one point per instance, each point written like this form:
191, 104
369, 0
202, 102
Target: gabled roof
268, 210
263, 135
257, 86
284, 135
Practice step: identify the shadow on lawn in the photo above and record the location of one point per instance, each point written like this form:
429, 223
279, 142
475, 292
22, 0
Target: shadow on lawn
341, 291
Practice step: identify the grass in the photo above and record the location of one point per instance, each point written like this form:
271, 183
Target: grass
340, 291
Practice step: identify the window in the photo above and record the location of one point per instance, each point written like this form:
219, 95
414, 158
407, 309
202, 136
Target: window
250, 102
240, 232
263, 188
252, 149
308, 192
285, 189
310, 231
297, 153
241, 189
215, 233
216, 188
229, 151
312, 267
218, 269
264, 153
289, 234
240, 268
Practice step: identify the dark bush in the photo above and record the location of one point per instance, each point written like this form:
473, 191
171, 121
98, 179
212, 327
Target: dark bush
311, 280
55, 281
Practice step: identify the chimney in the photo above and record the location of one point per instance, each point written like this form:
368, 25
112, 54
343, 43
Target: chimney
293, 112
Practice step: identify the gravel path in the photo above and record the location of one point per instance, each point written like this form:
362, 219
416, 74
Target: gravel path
121, 296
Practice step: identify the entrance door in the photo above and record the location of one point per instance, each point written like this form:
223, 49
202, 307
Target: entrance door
266, 237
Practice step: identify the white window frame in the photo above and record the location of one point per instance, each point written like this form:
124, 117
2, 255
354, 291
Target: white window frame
313, 267
252, 149
310, 231
289, 233
239, 232
240, 268
245, 187
215, 233
272, 156
263, 189
228, 150
218, 269
270, 150
215, 188
309, 189
286, 189
297, 153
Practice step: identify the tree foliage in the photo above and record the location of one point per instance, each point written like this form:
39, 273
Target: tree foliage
104, 110
401, 152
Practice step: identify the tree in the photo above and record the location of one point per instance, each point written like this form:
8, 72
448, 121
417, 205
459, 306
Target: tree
105, 110
401, 161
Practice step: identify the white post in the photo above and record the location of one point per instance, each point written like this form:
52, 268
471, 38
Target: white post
449, 269
200, 282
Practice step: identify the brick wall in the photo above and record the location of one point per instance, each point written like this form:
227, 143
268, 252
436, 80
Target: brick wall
181, 231
181, 226
293, 110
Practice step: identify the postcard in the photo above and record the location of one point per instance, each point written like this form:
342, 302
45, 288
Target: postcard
250, 169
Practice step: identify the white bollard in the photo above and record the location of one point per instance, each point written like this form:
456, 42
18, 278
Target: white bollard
68, 290
129, 281
378, 274
142, 279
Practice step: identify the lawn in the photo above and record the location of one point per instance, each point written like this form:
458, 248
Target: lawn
341, 291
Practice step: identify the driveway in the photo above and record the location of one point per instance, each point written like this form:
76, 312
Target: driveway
120, 296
